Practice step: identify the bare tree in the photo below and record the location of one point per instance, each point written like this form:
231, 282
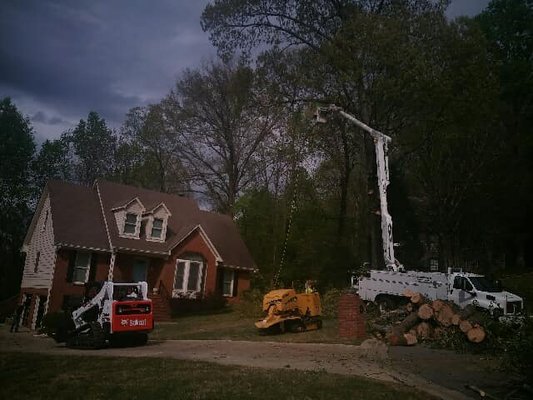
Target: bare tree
222, 118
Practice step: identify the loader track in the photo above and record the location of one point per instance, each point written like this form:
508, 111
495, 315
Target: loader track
93, 338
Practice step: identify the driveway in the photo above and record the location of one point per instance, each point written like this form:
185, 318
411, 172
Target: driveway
442, 374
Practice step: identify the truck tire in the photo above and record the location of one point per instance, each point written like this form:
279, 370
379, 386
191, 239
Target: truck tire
386, 302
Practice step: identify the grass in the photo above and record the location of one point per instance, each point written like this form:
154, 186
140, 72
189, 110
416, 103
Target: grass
37, 376
232, 325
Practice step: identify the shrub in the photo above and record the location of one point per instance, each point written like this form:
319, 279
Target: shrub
56, 325
250, 304
330, 303
210, 303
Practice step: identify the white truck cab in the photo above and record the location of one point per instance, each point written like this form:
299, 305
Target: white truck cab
467, 288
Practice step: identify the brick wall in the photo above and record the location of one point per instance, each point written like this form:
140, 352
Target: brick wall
351, 316
60, 286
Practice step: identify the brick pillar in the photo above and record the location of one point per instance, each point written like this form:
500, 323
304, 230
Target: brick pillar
351, 316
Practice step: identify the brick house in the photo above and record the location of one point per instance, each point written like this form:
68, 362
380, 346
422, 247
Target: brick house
116, 232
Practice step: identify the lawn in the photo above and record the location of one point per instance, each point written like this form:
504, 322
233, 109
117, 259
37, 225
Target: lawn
36, 376
231, 325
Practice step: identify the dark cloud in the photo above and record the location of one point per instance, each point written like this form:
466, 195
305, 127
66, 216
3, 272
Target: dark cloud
60, 59
68, 58
41, 117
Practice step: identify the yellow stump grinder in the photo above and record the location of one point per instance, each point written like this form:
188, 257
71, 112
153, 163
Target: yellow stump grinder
288, 311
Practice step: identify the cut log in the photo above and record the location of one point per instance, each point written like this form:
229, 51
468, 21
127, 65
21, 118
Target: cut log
396, 334
417, 298
410, 339
476, 334
408, 293
444, 315
409, 307
456, 319
465, 326
425, 312
437, 305
423, 330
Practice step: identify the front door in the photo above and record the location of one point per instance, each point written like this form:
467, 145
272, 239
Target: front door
140, 268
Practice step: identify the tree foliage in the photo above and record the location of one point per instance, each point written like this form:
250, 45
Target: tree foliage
93, 147
17, 147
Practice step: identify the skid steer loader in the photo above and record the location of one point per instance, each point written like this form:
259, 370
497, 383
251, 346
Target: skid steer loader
288, 311
118, 313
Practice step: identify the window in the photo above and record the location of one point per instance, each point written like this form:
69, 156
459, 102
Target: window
130, 224
82, 265
227, 282
37, 258
157, 228
462, 284
188, 276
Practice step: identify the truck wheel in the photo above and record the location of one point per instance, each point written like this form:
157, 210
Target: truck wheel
386, 303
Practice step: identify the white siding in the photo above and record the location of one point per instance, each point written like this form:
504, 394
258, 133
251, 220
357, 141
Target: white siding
42, 241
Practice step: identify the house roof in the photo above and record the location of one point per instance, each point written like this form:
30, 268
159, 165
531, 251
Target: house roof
78, 219
76, 216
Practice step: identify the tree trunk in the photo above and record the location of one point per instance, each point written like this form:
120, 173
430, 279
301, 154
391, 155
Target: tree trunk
396, 336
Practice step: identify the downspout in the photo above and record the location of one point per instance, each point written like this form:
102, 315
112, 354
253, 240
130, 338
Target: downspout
113, 253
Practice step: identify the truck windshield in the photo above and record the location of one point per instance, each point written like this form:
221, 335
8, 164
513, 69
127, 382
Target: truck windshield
484, 284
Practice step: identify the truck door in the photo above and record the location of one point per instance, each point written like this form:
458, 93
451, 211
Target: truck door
462, 292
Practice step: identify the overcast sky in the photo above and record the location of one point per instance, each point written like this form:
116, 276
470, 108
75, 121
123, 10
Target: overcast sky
60, 59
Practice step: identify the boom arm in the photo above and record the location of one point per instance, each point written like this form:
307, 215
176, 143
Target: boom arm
382, 163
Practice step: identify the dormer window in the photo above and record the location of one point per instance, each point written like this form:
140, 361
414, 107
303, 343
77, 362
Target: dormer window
157, 223
130, 224
128, 218
157, 228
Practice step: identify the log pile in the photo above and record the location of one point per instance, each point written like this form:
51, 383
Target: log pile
427, 320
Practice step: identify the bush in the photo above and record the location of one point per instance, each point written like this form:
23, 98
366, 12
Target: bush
185, 306
56, 325
518, 349
330, 303
250, 304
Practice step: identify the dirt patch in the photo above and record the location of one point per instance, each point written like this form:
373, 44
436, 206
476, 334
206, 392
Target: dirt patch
436, 372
